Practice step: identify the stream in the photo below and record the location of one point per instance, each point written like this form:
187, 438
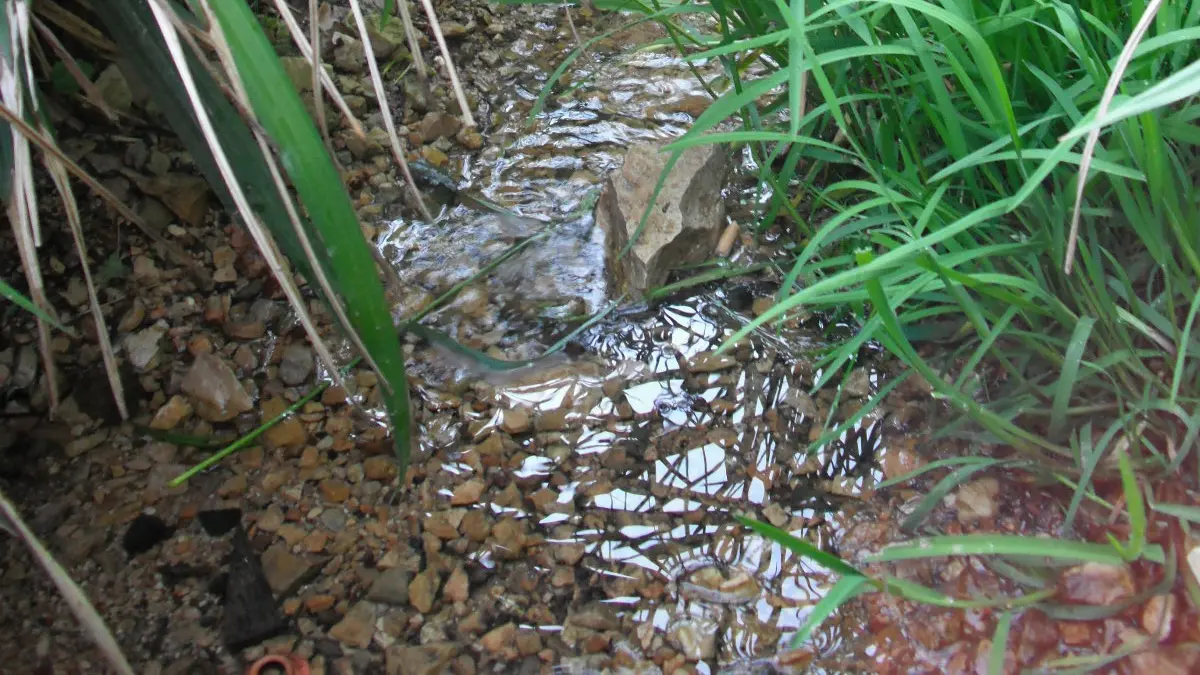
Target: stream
645, 447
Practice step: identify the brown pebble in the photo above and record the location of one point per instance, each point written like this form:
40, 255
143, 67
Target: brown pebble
309, 458
515, 421
497, 639
379, 467
335, 490
467, 493
335, 395
420, 591
528, 643
458, 586
475, 526
319, 603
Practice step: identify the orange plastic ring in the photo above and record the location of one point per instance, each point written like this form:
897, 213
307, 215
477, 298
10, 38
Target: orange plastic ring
291, 664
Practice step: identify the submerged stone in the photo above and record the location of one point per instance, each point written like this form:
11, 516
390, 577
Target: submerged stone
685, 221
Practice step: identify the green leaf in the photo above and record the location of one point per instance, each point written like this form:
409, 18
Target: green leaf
19, 299
1008, 545
846, 589
1070, 371
343, 249
999, 644
799, 546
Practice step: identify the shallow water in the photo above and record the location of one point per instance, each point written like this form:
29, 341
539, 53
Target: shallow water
646, 459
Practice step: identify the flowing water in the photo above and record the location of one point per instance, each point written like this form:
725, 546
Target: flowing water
644, 446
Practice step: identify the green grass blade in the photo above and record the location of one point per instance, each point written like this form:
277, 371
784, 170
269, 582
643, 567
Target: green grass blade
1070, 372
1178, 86
18, 298
799, 546
351, 266
846, 589
999, 644
1007, 545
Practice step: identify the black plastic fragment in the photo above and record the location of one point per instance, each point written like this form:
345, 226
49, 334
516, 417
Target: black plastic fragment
144, 533
218, 522
251, 614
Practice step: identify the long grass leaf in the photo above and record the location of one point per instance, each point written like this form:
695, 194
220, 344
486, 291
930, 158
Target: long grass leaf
350, 263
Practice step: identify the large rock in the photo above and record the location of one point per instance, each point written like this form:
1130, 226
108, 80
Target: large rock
683, 226
214, 390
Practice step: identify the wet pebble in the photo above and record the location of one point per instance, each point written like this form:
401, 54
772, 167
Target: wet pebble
215, 392
357, 627
391, 587
421, 591
1096, 583
498, 639
296, 364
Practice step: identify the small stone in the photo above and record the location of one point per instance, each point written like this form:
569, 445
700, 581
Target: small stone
469, 139
437, 125
249, 329
438, 524
215, 311
708, 362
289, 433
271, 519
309, 458
390, 587
515, 421
775, 514
334, 395
453, 29
291, 534
569, 554
333, 519
296, 364
319, 603
857, 384
497, 639
275, 480
528, 643
234, 486
132, 318
114, 89
475, 526
334, 490
510, 538
1158, 616
761, 304
696, 638
1096, 584
467, 493
174, 411
420, 592
142, 347
977, 500
434, 156
144, 269
186, 194
357, 627
428, 659
379, 467
81, 445
899, 460
458, 586
214, 390
284, 570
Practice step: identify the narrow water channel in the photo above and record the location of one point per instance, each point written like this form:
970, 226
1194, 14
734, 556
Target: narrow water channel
642, 447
